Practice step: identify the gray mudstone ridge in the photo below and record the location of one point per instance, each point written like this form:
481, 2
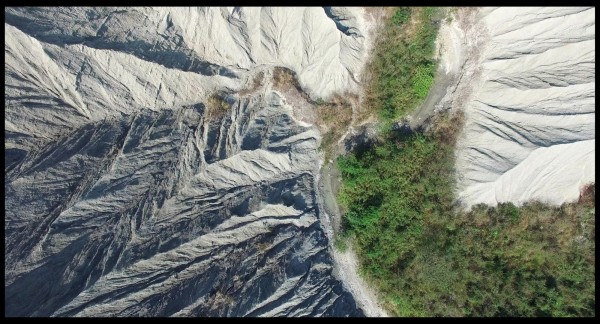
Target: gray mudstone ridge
126, 196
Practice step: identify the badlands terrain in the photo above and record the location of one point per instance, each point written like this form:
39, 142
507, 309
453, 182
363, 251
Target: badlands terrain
167, 162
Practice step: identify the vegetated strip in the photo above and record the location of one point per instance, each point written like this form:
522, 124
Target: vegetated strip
402, 68
429, 258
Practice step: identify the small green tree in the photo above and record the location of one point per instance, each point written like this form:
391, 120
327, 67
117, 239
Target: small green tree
401, 16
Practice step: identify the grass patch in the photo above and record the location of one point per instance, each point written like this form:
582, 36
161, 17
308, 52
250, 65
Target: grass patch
340, 242
333, 119
423, 80
217, 106
401, 16
402, 70
285, 79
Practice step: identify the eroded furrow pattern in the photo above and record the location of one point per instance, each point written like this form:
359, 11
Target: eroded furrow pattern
530, 126
129, 231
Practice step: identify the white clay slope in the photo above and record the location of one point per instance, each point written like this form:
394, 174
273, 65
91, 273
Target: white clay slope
530, 129
324, 46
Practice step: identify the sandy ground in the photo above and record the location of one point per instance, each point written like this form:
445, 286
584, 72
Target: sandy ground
364, 295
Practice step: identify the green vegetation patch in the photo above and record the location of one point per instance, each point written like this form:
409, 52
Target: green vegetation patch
402, 67
401, 16
423, 80
430, 259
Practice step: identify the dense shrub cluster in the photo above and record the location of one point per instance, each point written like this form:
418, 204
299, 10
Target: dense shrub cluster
430, 259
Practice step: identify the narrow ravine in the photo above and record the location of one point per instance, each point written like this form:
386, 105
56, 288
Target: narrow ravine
346, 263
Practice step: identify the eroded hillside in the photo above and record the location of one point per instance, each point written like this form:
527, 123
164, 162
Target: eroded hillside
154, 166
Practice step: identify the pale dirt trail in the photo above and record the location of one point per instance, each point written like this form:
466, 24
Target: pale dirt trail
346, 263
